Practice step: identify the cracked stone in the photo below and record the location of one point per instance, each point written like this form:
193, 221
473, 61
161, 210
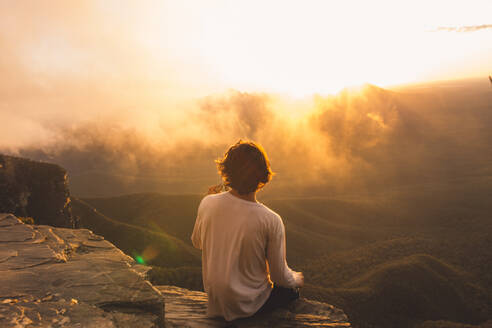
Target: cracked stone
45, 281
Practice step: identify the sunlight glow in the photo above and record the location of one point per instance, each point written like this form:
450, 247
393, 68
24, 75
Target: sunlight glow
323, 46
161, 52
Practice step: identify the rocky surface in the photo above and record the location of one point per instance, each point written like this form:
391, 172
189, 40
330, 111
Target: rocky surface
35, 189
57, 277
187, 309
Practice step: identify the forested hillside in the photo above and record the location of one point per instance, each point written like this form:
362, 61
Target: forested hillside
402, 257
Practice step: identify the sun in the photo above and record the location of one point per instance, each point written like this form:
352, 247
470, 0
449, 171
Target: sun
323, 46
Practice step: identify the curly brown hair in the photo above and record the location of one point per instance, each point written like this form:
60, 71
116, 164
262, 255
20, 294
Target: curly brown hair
245, 167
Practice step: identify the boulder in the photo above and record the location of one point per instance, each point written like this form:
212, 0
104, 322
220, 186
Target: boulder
35, 189
58, 277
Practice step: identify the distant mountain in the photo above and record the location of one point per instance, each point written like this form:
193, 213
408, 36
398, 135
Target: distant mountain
35, 190
404, 292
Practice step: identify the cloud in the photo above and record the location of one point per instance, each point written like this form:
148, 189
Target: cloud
356, 140
355, 122
67, 62
471, 28
237, 114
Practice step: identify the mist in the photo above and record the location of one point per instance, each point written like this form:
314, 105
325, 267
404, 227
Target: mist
358, 141
86, 86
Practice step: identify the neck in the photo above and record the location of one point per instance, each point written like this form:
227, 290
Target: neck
251, 197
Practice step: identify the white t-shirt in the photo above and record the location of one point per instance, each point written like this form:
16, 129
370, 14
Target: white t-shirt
243, 247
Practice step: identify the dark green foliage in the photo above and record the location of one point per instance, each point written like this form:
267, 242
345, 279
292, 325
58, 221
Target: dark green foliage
188, 277
174, 214
414, 288
448, 324
163, 249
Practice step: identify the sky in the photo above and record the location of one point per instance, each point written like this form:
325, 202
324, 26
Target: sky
66, 61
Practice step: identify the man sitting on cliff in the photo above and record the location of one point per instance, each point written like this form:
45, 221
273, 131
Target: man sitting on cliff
243, 241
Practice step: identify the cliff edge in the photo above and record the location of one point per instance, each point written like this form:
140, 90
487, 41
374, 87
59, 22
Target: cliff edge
58, 277
187, 309
35, 189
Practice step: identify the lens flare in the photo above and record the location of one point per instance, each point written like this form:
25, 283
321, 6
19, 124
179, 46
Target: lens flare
139, 259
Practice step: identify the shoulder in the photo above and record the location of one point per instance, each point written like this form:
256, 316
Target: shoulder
209, 200
271, 216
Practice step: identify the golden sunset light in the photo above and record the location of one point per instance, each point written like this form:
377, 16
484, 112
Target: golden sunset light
182, 48
202, 163
74, 61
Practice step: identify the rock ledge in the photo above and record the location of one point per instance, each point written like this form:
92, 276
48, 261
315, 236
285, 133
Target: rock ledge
59, 277
187, 309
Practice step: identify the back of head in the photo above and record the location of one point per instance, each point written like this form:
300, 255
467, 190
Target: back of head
245, 167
